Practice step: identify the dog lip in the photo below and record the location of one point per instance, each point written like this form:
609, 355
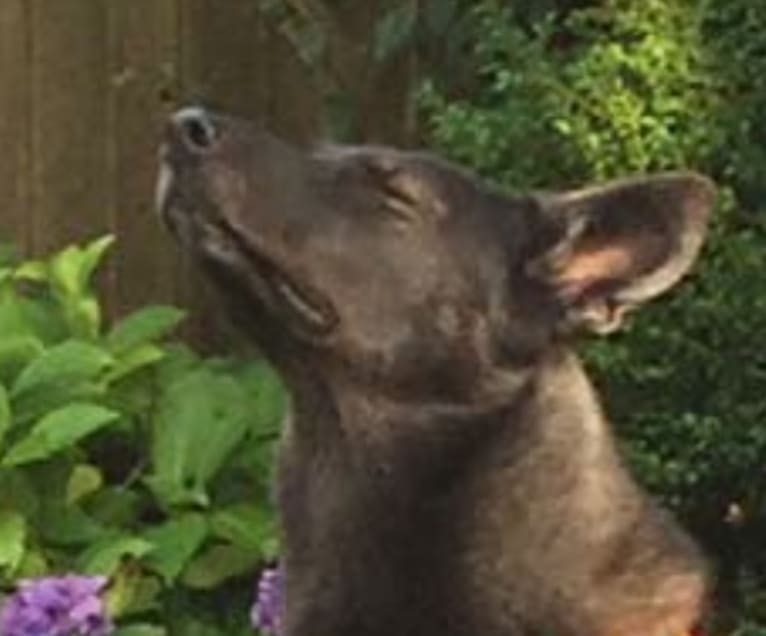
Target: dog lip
314, 311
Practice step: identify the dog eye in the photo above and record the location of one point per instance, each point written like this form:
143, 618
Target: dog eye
399, 200
394, 187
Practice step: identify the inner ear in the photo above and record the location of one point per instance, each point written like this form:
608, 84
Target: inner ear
616, 246
591, 266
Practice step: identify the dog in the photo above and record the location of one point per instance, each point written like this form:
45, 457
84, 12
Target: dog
447, 469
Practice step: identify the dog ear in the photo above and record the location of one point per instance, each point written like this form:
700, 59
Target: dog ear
609, 248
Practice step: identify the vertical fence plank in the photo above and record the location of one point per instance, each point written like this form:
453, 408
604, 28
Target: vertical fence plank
69, 117
223, 61
294, 104
143, 43
14, 119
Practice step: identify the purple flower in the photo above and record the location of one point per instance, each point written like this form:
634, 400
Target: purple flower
266, 614
68, 605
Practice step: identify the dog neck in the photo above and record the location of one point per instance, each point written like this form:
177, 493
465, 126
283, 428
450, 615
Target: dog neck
551, 400
394, 460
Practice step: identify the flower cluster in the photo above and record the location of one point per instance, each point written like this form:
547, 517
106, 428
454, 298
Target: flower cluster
72, 605
266, 614
68, 605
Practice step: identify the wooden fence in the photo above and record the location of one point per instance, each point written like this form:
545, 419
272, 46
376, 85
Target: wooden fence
85, 86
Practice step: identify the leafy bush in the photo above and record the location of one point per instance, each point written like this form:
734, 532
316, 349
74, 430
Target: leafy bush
127, 456
624, 87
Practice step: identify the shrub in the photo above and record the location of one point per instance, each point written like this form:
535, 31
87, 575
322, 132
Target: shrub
128, 456
625, 87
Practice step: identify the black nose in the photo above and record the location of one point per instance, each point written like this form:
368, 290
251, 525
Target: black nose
195, 128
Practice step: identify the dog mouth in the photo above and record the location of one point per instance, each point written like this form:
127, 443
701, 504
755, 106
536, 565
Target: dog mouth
292, 299
224, 249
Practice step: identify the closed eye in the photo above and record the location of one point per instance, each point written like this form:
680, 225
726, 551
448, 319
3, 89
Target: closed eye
399, 201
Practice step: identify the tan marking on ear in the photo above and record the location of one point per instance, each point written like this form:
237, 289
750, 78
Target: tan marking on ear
588, 266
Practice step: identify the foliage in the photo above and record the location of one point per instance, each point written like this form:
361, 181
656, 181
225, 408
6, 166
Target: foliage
349, 63
615, 88
127, 456
623, 87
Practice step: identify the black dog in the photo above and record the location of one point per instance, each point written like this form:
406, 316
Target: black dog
447, 470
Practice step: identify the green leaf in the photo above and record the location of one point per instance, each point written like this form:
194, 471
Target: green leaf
105, 556
132, 592
72, 268
18, 492
143, 629
114, 506
65, 271
70, 273
175, 542
15, 353
192, 626
200, 419
68, 363
84, 480
33, 565
49, 478
92, 255
64, 525
58, 430
43, 318
179, 361
250, 527
5, 414
176, 493
394, 31
70, 371
84, 317
35, 271
218, 564
143, 326
12, 319
13, 532
134, 359
31, 406
268, 397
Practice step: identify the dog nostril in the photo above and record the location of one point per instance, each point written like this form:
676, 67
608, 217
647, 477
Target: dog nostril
199, 133
197, 129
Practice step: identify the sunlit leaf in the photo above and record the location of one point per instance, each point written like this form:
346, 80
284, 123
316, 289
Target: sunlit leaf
5, 414
248, 526
58, 430
218, 564
143, 326
105, 556
70, 362
84, 480
199, 420
175, 542
13, 531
